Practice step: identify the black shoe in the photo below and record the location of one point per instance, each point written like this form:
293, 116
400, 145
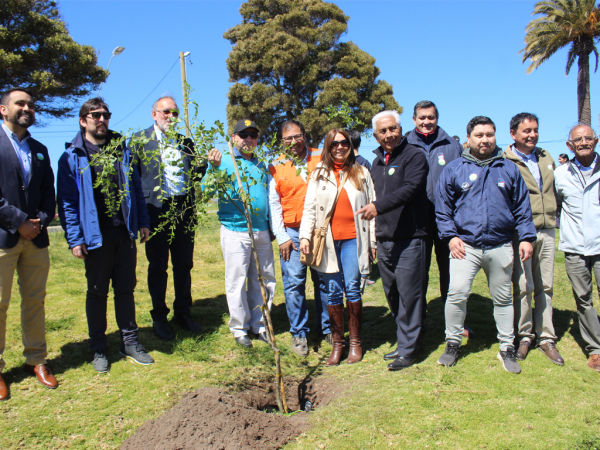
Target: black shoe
244, 341
401, 362
450, 355
137, 353
391, 356
263, 337
509, 360
100, 362
163, 331
186, 321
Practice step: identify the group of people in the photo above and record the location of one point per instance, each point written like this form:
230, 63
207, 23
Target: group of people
481, 207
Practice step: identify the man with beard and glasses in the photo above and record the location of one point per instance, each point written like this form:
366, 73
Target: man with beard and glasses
481, 202
533, 280
27, 207
287, 191
577, 184
167, 187
102, 237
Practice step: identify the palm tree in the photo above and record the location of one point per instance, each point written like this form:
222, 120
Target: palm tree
574, 23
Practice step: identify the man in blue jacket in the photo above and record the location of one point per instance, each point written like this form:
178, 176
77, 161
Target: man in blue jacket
481, 202
440, 149
102, 236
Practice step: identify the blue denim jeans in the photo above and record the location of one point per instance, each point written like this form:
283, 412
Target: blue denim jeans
293, 274
348, 278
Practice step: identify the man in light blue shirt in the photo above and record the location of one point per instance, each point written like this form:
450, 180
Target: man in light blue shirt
242, 286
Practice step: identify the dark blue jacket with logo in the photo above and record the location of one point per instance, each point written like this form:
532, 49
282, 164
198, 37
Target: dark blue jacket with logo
483, 205
75, 194
441, 151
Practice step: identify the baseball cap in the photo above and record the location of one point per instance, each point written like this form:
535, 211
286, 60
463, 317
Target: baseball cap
243, 124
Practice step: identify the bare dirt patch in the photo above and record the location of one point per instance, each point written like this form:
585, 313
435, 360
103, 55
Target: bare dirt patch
210, 418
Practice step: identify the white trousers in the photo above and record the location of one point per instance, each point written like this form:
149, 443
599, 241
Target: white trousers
241, 279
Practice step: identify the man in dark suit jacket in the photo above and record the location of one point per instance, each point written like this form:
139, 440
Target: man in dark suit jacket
27, 206
166, 163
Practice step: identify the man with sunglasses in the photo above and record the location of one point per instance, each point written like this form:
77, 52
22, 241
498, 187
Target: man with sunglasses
577, 184
104, 237
27, 205
168, 169
287, 190
242, 287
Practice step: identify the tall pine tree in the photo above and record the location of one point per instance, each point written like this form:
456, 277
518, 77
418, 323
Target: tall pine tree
288, 62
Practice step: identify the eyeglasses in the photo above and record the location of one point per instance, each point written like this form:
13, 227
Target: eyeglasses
166, 112
296, 137
245, 134
580, 139
97, 115
343, 143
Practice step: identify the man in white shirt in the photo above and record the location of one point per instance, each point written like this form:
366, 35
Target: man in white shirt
166, 176
533, 279
577, 186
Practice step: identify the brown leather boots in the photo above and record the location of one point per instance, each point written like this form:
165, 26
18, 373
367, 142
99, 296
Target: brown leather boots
336, 320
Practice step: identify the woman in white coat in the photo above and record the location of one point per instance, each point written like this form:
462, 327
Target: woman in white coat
350, 240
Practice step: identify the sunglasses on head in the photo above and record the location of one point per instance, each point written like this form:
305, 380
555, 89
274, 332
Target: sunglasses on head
343, 143
245, 134
97, 115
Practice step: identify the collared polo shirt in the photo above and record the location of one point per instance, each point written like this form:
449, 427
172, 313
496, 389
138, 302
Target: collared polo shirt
531, 162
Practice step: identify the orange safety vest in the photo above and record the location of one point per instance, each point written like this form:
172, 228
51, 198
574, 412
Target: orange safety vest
291, 187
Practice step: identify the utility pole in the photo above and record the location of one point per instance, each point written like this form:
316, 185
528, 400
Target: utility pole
182, 56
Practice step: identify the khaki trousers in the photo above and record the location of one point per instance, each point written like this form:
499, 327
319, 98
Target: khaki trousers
32, 265
533, 280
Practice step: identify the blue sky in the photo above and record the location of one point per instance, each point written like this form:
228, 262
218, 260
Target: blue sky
462, 55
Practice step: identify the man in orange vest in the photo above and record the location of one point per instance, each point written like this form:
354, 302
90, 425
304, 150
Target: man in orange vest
287, 191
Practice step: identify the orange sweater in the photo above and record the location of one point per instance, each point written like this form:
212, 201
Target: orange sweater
342, 222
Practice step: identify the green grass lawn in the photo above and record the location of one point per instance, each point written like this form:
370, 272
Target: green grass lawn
475, 404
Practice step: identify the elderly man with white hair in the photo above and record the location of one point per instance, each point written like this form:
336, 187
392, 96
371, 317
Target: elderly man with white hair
399, 174
577, 184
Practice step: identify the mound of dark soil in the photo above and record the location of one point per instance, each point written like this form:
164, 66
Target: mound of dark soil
212, 419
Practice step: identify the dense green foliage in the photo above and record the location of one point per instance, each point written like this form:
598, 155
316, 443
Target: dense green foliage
37, 52
288, 62
566, 23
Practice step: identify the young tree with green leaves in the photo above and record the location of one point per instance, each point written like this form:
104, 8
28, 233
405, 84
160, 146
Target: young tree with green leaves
566, 23
37, 53
288, 62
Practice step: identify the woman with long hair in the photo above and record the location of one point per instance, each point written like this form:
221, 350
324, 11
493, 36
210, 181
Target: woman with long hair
350, 240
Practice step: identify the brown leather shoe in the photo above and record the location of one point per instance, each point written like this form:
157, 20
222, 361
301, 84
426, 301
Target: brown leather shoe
3, 389
43, 375
549, 349
523, 350
467, 332
594, 362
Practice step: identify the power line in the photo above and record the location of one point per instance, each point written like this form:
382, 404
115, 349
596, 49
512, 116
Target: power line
150, 93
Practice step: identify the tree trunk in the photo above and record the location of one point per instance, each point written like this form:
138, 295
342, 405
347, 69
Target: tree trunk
584, 110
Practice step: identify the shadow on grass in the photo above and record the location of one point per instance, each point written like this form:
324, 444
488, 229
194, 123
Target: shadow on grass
566, 321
